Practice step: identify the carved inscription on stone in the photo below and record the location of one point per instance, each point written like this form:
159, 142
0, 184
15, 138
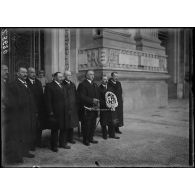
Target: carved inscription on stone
128, 59
121, 59
149, 61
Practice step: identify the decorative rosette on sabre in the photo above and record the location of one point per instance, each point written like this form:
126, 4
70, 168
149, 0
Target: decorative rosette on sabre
111, 100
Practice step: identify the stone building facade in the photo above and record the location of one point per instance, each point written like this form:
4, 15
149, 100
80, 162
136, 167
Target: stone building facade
153, 64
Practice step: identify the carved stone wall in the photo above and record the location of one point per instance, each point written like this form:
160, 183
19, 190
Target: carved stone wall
147, 40
120, 59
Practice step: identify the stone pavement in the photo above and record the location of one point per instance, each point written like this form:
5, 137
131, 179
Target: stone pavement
151, 138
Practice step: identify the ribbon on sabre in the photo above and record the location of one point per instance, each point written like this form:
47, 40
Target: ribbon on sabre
96, 109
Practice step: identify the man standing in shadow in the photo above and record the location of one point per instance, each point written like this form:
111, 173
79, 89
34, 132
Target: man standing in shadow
36, 88
24, 114
115, 86
107, 116
71, 117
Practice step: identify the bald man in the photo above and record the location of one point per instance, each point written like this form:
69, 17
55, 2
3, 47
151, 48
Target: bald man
71, 116
36, 88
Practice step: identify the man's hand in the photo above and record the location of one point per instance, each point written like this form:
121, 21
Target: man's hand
95, 101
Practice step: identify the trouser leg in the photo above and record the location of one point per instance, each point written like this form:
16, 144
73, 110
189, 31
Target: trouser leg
111, 131
54, 138
38, 134
84, 127
92, 125
63, 137
70, 134
104, 131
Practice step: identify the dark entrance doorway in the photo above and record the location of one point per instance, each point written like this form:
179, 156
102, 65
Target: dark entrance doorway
25, 48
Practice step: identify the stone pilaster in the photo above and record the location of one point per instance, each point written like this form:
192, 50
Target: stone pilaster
54, 51
178, 62
147, 40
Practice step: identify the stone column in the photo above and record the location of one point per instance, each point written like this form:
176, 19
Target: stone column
147, 40
54, 51
178, 61
74, 46
61, 48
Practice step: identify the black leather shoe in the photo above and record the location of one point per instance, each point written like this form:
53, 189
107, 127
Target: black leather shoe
65, 146
86, 143
32, 149
39, 145
72, 142
105, 137
115, 137
93, 141
29, 155
118, 131
54, 149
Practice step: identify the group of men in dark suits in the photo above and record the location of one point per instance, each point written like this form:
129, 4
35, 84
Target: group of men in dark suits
27, 110
20, 116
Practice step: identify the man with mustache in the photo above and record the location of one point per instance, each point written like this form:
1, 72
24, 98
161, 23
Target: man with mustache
24, 114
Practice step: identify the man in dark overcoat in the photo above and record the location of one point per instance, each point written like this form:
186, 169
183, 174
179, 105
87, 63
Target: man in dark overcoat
10, 152
25, 114
55, 107
88, 97
36, 88
71, 116
106, 115
115, 86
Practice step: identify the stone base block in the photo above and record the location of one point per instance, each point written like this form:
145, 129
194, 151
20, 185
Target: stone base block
144, 94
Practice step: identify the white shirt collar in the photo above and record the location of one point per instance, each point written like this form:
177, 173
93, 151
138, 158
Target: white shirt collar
58, 83
31, 80
24, 82
89, 81
67, 81
113, 81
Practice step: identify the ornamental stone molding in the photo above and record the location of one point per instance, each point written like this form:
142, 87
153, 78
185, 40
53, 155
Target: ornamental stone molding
67, 49
121, 59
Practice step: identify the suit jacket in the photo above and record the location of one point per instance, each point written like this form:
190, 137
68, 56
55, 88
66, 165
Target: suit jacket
86, 92
37, 92
71, 105
55, 102
24, 112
